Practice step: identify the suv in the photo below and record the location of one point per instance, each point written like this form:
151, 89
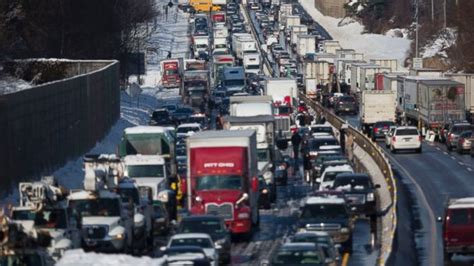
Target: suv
454, 131
212, 225
345, 105
328, 214
405, 138
161, 117
458, 227
380, 129
359, 192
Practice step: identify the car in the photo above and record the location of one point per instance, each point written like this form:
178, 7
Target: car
170, 107
161, 117
388, 136
458, 227
406, 138
359, 192
281, 173
321, 239
185, 255
323, 156
464, 142
380, 129
345, 105
452, 135
201, 240
265, 197
201, 119
297, 254
316, 142
254, 6
327, 178
324, 128
328, 214
212, 225
161, 219
188, 128
182, 113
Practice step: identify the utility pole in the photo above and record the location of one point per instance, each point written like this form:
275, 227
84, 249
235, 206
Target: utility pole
417, 26
432, 10
445, 23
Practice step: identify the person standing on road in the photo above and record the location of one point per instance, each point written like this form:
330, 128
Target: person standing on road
295, 141
350, 147
307, 167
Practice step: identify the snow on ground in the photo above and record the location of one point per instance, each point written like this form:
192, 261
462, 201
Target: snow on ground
350, 37
9, 84
133, 111
77, 257
439, 44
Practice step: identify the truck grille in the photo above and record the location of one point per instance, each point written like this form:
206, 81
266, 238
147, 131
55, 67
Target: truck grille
323, 227
355, 199
95, 231
282, 123
224, 210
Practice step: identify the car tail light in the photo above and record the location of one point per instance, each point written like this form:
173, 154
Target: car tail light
394, 139
376, 130
419, 138
450, 136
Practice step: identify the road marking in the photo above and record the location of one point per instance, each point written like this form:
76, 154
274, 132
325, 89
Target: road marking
452, 157
445, 153
469, 169
438, 148
432, 257
460, 163
345, 259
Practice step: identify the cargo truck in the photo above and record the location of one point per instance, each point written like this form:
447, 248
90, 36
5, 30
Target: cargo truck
329, 46
318, 70
349, 54
251, 105
386, 62
468, 81
433, 102
200, 45
171, 71
284, 93
368, 75
376, 106
218, 63
294, 32
306, 44
222, 177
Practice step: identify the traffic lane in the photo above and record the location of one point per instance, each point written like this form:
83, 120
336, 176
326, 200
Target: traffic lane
363, 252
261, 40
462, 159
438, 178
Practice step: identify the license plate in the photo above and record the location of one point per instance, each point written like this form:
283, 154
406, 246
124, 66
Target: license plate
406, 140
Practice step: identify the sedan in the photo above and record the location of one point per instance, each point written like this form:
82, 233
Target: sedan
203, 241
322, 239
464, 141
183, 255
297, 254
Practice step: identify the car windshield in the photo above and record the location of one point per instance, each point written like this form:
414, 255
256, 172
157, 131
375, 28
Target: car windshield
158, 211
407, 132
211, 182
330, 176
384, 124
234, 82
321, 130
311, 239
187, 129
315, 144
127, 194
184, 111
137, 171
352, 183
324, 211
160, 114
263, 155
199, 242
297, 257
283, 110
96, 207
210, 227
466, 134
54, 218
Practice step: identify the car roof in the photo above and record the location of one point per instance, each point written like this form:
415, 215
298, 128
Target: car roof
402, 127
184, 248
190, 235
325, 200
298, 246
344, 167
189, 125
461, 203
353, 175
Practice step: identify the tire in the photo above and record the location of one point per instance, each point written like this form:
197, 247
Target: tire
393, 150
419, 150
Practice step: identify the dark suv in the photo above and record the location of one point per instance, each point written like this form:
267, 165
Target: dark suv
452, 136
380, 129
328, 214
345, 105
212, 225
359, 192
161, 117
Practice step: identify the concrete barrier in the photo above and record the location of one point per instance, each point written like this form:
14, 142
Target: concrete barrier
44, 126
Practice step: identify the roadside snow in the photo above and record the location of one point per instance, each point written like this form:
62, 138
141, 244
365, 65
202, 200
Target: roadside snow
77, 257
440, 43
350, 37
9, 84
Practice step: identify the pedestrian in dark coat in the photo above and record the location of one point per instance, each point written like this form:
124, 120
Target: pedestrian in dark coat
295, 141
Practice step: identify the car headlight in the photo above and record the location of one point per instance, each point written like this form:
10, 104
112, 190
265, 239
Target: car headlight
243, 215
119, 236
344, 230
220, 242
281, 167
370, 197
264, 191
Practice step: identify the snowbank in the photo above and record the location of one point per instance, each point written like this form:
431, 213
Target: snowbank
9, 84
350, 37
440, 43
77, 257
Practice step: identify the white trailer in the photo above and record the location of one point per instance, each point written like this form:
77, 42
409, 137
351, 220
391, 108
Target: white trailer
349, 54
311, 87
318, 70
243, 43
426, 72
279, 88
306, 44
343, 68
250, 105
355, 76
329, 46
386, 62
201, 44
220, 31
292, 20
295, 31
252, 63
219, 2
367, 75
390, 81
377, 106
468, 81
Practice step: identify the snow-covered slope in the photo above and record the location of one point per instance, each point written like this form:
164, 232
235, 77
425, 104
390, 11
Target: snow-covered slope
77, 257
350, 37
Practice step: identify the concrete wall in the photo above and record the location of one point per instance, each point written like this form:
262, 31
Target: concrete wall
333, 8
43, 127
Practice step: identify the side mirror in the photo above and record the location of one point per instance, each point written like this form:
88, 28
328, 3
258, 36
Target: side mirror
245, 196
218, 247
163, 249
377, 186
439, 219
318, 180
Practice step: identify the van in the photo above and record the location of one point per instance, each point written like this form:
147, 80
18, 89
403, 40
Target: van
458, 227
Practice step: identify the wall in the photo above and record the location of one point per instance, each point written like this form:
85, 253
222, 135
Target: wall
43, 127
333, 8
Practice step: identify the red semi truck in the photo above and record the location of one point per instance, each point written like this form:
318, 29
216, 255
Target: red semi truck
222, 177
171, 73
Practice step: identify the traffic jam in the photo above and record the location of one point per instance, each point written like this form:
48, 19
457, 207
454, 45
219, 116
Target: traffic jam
201, 180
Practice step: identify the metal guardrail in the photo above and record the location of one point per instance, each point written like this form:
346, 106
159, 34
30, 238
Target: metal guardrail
377, 154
